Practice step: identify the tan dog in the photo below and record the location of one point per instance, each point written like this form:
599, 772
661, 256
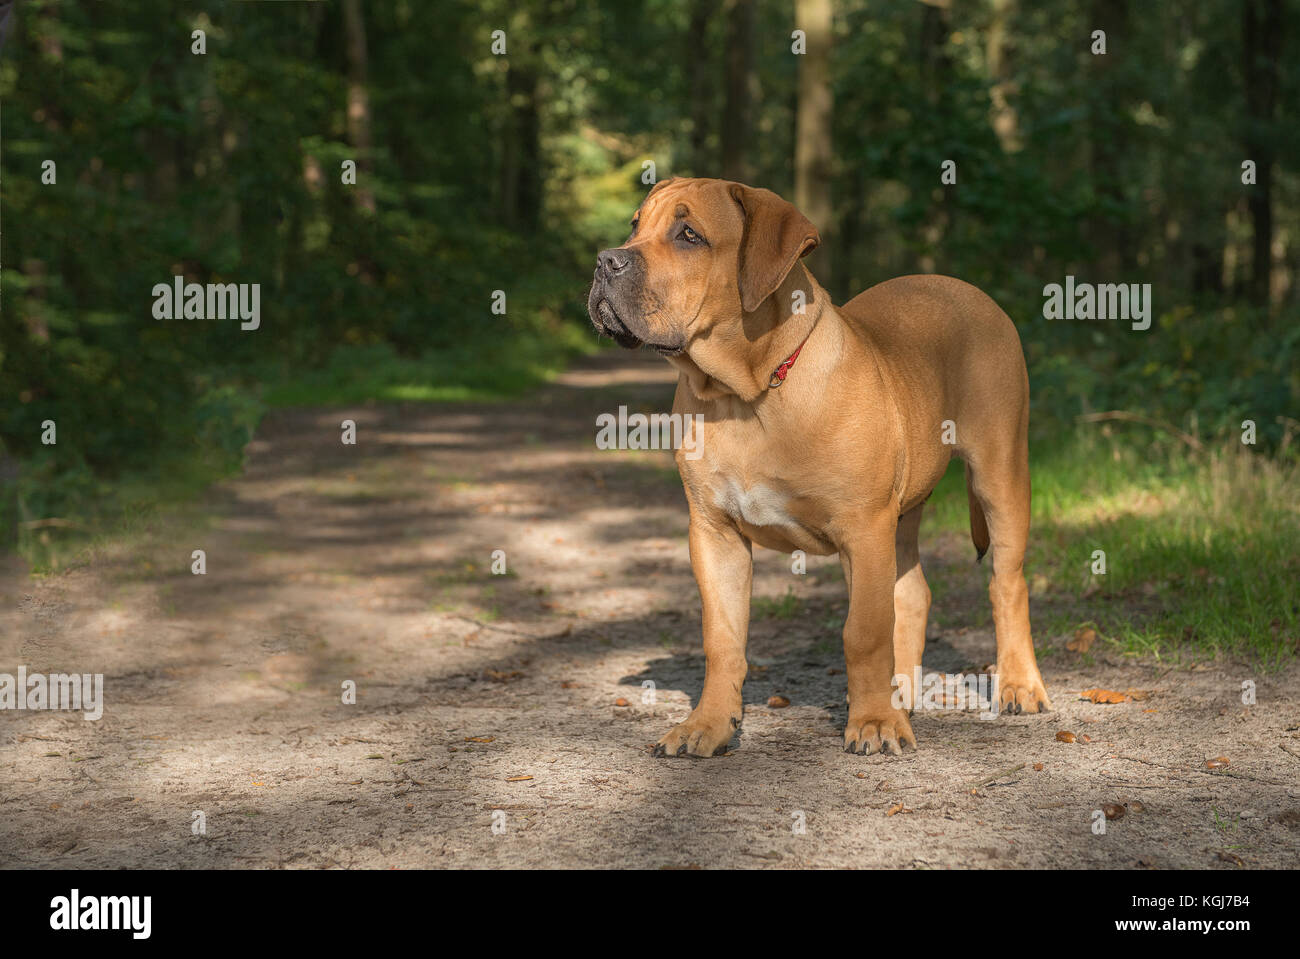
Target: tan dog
824, 429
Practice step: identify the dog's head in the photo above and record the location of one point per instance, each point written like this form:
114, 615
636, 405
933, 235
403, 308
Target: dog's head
702, 253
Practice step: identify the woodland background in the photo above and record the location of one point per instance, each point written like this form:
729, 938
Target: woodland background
480, 172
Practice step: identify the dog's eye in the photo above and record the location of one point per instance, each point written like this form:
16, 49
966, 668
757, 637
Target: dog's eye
690, 236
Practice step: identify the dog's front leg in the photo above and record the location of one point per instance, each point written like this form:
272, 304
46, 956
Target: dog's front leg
722, 561
875, 724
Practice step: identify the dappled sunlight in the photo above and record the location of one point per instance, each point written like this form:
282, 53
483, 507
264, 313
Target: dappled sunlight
523, 694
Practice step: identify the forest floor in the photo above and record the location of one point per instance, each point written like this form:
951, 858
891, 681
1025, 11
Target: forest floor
518, 701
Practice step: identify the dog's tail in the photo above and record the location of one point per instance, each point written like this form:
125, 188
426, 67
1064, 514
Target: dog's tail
979, 527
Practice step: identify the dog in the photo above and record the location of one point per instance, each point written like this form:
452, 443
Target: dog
824, 428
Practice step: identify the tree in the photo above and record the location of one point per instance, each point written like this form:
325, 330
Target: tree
813, 144
1261, 38
700, 69
740, 86
359, 101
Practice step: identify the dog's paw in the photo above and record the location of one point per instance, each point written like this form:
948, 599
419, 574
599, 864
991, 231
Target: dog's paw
700, 735
1023, 693
867, 735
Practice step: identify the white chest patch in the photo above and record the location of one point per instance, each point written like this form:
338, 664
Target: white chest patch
757, 506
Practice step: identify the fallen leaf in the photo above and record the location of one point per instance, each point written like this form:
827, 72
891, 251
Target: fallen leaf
1064, 737
1218, 762
1104, 696
621, 702
897, 808
1085, 738
1083, 640
480, 739
1038, 767
777, 702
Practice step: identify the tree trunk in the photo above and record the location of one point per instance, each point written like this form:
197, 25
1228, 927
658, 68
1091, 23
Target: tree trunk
813, 134
1005, 122
522, 173
1109, 128
700, 71
741, 81
358, 102
1261, 36
936, 82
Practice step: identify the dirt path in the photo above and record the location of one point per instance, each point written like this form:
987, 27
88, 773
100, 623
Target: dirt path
371, 563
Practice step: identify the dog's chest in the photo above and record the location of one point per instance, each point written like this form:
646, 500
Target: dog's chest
757, 505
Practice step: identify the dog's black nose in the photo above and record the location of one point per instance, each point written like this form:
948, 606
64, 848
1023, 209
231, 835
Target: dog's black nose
612, 262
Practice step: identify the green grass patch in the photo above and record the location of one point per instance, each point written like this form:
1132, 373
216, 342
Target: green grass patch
1200, 549
780, 607
62, 513
484, 371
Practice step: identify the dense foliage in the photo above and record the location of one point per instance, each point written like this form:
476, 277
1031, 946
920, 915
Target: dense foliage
479, 172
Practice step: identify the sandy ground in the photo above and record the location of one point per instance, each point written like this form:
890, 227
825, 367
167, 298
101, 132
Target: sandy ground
489, 700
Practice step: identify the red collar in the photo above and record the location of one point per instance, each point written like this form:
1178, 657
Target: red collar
781, 372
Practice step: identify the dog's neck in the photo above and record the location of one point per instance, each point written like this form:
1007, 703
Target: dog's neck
737, 359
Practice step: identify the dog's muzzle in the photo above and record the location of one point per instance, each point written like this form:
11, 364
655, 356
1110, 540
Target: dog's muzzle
614, 265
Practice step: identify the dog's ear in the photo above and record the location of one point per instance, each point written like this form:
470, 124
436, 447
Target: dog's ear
776, 235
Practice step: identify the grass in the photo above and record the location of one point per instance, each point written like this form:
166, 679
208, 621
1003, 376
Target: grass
109, 519
480, 372
1200, 549
781, 607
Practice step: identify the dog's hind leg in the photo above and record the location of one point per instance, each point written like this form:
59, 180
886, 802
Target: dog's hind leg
1000, 480
911, 604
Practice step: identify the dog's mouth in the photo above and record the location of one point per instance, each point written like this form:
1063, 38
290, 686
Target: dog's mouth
607, 320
